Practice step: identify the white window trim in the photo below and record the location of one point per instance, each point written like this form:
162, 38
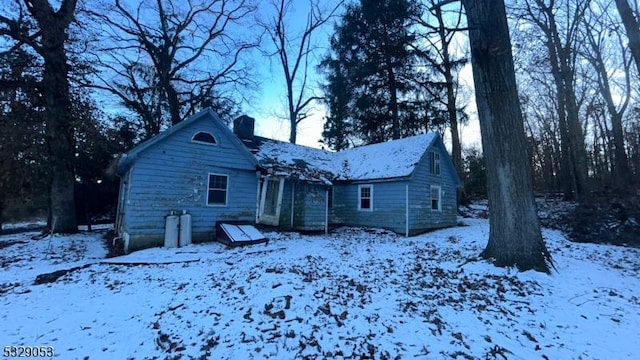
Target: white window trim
204, 142
439, 209
360, 187
433, 169
226, 192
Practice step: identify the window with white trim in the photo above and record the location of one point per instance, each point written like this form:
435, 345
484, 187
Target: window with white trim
365, 197
435, 163
217, 190
436, 198
204, 137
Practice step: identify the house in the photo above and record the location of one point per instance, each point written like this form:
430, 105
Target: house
201, 167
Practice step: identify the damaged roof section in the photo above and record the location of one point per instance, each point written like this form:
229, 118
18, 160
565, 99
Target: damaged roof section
392, 159
291, 160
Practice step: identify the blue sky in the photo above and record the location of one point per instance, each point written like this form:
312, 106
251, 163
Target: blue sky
270, 107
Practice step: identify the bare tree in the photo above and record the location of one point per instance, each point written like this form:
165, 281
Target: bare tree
607, 57
39, 26
515, 238
164, 59
632, 27
559, 21
295, 53
440, 36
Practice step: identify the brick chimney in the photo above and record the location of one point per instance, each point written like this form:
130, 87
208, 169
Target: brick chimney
243, 127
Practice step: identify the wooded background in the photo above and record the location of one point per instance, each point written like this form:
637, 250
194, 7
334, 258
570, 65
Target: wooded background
83, 81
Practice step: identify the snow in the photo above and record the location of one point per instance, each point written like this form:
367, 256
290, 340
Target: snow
355, 291
391, 159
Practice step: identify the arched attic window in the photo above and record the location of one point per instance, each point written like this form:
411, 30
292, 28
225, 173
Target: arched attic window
204, 137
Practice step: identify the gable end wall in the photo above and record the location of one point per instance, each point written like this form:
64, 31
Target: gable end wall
421, 217
173, 176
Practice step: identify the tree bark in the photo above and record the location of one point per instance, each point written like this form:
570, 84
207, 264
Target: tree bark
515, 238
632, 27
55, 90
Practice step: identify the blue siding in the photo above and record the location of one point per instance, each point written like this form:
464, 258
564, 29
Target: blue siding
285, 209
308, 206
388, 201
172, 175
311, 205
421, 217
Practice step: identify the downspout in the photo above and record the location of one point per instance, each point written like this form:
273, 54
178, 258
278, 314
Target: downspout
406, 212
121, 192
259, 180
326, 211
293, 200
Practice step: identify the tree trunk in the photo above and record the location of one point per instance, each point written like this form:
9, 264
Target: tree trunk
574, 154
621, 162
55, 90
1, 215
173, 102
456, 148
632, 27
393, 104
514, 238
293, 132
576, 136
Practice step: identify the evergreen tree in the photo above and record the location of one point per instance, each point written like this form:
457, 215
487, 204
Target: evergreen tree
373, 81
337, 127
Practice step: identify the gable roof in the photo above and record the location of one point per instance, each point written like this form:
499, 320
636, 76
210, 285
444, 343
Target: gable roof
127, 159
391, 159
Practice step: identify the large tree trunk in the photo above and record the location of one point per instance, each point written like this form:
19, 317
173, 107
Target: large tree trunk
514, 238
55, 90
632, 27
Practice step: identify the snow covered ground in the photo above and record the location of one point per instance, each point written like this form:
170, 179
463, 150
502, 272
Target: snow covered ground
355, 293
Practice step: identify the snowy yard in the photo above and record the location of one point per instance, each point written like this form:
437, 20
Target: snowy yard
352, 294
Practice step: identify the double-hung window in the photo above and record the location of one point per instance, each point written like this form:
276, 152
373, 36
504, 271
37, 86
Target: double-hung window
365, 197
435, 163
436, 198
217, 189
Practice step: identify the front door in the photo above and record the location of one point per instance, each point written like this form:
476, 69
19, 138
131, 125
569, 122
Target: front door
270, 201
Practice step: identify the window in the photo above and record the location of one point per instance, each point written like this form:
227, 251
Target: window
435, 163
217, 190
365, 197
436, 198
204, 137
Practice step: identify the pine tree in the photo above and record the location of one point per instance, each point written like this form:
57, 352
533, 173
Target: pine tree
373, 52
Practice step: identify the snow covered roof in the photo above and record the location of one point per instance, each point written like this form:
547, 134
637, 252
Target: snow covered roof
391, 159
